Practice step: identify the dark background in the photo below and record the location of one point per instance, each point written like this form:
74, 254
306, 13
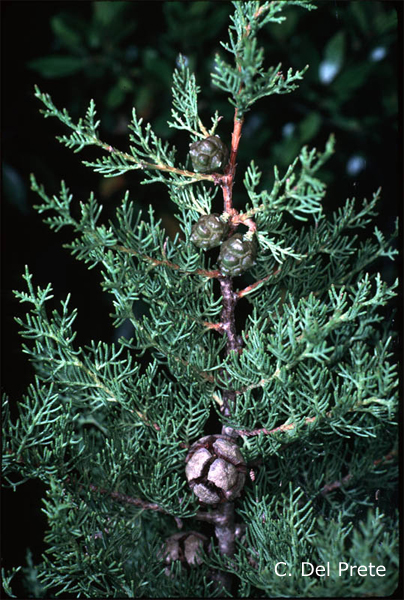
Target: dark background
123, 56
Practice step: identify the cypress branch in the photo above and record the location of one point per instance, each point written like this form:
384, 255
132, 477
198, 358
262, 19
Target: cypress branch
207, 448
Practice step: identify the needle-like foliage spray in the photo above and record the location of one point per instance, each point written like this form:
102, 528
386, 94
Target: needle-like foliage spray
201, 457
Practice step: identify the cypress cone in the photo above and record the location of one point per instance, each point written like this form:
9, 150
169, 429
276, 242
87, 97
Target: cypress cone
215, 469
236, 255
208, 231
208, 155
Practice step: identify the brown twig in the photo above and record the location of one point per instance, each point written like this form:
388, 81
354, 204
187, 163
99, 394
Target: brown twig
251, 287
225, 530
119, 497
329, 487
226, 181
227, 316
280, 429
165, 263
229, 328
244, 219
218, 326
150, 166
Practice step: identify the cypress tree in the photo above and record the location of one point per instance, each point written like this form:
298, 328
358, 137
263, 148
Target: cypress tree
234, 443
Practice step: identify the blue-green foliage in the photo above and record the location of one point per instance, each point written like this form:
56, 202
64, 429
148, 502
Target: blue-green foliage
246, 81
316, 373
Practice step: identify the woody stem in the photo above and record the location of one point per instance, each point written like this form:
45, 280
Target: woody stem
226, 283
229, 327
224, 519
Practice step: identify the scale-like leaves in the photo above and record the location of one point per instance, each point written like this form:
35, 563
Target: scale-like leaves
313, 381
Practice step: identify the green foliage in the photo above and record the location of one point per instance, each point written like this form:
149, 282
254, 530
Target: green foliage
106, 427
301, 195
290, 521
185, 100
120, 70
246, 81
147, 152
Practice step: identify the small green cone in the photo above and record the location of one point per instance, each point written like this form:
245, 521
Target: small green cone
236, 255
208, 155
209, 231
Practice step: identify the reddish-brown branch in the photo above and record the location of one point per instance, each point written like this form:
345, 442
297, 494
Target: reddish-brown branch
229, 328
228, 325
218, 517
251, 287
329, 487
226, 181
237, 219
235, 141
256, 15
335, 484
386, 458
280, 429
119, 497
151, 166
287, 427
217, 326
227, 316
166, 263
225, 530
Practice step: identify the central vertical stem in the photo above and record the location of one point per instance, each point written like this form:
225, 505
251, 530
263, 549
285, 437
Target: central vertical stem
225, 533
227, 316
229, 327
224, 528
224, 519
